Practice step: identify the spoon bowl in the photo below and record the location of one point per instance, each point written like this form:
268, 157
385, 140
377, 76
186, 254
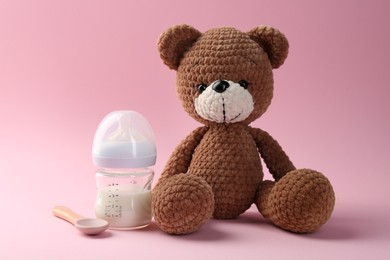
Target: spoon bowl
88, 226
91, 226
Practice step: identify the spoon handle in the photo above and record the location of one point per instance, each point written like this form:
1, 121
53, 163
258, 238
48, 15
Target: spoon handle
66, 214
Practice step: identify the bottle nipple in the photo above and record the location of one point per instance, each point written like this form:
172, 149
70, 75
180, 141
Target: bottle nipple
124, 137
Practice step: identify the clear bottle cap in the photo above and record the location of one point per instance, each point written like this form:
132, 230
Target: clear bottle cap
124, 139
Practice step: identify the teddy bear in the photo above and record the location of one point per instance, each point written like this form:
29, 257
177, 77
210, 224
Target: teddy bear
224, 80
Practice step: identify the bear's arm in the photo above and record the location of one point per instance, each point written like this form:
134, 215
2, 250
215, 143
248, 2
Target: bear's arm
272, 153
181, 157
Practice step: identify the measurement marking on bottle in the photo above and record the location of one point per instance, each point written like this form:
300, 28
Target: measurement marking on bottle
113, 209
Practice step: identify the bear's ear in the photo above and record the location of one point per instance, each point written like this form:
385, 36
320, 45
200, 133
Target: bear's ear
174, 42
273, 42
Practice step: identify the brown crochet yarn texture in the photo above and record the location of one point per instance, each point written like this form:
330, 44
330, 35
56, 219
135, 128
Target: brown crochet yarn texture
185, 200
216, 55
216, 170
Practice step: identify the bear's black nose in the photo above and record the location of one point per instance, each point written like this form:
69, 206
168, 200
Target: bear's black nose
220, 86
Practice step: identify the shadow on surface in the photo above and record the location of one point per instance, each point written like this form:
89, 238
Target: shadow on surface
335, 229
349, 228
104, 234
216, 229
208, 232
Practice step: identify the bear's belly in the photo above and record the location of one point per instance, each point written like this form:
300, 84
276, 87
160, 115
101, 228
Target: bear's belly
227, 158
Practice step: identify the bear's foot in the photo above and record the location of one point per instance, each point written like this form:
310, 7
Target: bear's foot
182, 203
302, 201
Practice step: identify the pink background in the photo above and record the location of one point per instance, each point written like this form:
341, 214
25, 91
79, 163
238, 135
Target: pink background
65, 64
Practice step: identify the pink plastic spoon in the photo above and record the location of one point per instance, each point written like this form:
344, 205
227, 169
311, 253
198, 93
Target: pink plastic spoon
89, 226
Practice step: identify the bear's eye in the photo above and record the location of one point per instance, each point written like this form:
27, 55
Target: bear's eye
243, 83
202, 87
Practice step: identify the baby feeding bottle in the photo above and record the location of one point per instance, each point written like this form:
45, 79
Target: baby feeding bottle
124, 148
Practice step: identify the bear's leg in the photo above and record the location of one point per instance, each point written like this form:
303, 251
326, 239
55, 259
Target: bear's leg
302, 201
182, 203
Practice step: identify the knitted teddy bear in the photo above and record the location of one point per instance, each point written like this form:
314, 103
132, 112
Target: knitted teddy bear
225, 82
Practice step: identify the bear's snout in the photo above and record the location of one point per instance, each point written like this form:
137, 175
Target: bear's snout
220, 86
224, 101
